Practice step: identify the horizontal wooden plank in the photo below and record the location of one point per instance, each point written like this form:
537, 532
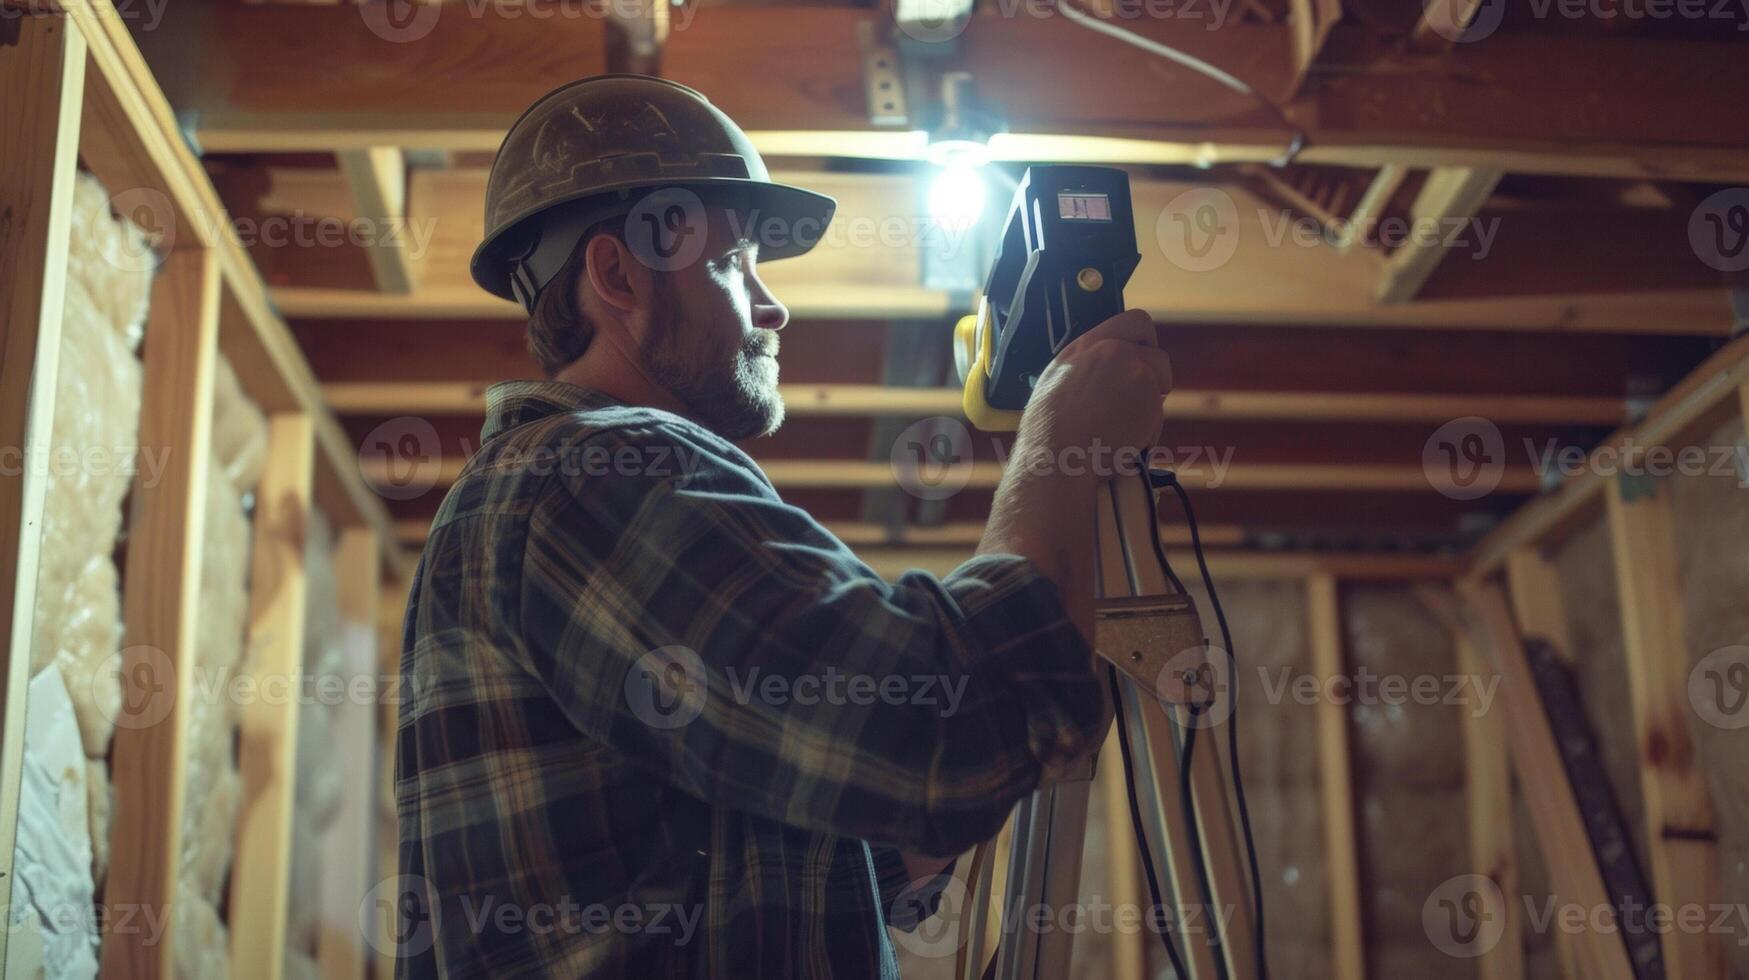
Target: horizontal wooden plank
869, 264
455, 80
463, 398
859, 474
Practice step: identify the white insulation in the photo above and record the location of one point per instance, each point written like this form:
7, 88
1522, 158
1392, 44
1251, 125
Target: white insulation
319, 781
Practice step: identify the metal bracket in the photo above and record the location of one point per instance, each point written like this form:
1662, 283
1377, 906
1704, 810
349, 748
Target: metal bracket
1158, 642
883, 81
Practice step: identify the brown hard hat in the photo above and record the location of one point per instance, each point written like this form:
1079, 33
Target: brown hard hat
594, 149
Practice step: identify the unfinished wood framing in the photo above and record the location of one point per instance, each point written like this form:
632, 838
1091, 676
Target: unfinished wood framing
74, 86
1450, 194
268, 726
150, 752
38, 148
377, 177
1335, 784
348, 847
1548, 795
1680, 837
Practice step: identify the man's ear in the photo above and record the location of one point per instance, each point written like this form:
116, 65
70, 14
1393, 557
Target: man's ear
615, 275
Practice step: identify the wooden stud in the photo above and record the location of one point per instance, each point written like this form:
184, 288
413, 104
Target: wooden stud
42, 67
1535, 589
1488, 798
1542, 779
378, 179
268, 728
1335, 785
1681, 839
160, 605
1450, 193
348, 844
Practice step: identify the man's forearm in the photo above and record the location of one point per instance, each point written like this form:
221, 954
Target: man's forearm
1047, 517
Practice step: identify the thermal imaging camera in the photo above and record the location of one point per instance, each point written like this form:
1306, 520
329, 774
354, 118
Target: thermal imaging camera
1068, 248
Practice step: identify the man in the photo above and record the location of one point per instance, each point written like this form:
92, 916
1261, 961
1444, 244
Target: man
619, 755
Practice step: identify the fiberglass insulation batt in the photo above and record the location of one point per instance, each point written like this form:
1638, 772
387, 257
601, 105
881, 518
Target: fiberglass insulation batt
1711, 518
1408, 764
214, 788
75, 692
319, 782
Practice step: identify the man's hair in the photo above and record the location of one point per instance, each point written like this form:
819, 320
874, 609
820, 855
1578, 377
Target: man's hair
559, 330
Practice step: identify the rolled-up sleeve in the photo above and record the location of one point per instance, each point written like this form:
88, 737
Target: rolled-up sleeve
720, 637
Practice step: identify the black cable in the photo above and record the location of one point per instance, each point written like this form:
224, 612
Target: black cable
1187, 802
1170, 479
1154, 522
1129, 780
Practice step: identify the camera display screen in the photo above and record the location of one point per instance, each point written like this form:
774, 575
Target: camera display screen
1072, 206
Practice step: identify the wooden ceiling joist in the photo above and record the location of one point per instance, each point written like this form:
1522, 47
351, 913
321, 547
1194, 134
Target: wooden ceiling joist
377, 177
850, 474
869, 264
468, 398
458, 81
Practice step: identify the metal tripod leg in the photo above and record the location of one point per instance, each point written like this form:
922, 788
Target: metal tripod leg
1145, 631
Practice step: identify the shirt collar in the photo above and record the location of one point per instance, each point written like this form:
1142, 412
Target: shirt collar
513, 403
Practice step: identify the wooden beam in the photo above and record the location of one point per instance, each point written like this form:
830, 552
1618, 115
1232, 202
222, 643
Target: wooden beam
42, 68
869, 474
870, 260
1680, 836
1542, 778
1501, 105
1705, 397
806, 400
349, 845
1256, 566
268, 727
1335, 785
377, 176
1372, 204
1449, 194
149, 757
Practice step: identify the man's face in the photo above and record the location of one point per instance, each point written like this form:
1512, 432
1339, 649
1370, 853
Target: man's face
712, 337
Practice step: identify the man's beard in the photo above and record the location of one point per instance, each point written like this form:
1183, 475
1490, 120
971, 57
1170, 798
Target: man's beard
726, 391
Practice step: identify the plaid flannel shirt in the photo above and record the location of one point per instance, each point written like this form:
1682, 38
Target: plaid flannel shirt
622, 751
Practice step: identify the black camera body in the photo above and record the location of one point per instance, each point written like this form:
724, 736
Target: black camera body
1068, 248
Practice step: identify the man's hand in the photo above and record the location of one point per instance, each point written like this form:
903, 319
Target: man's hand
1106, 385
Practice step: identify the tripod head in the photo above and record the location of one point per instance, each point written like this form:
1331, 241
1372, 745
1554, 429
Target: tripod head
1068, 247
